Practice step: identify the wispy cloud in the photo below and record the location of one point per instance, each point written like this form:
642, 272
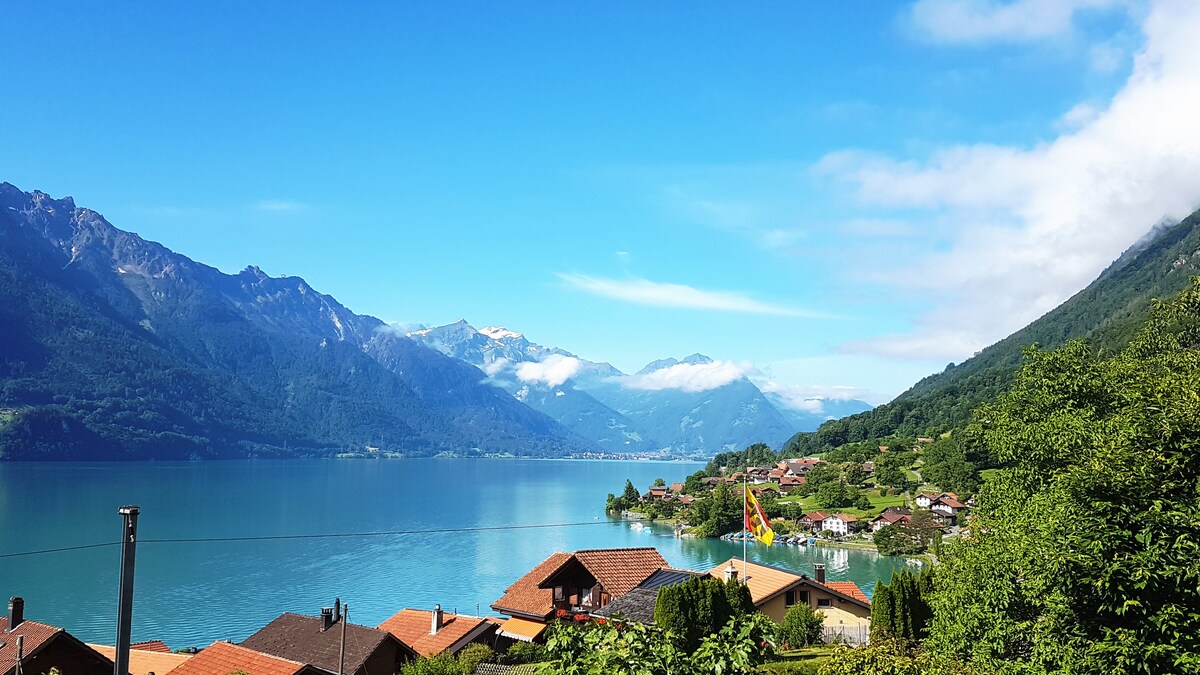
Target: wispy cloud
280, 206
680, 296
689, 377
1036, 224
987, 21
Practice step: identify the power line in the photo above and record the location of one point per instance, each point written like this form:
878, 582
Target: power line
334, 535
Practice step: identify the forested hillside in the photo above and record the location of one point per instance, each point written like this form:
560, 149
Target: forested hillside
1107, 313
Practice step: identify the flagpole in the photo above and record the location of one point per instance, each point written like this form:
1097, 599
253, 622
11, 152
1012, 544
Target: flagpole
745, 512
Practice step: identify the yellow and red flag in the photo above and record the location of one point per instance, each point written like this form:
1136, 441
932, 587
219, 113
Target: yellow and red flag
756, 520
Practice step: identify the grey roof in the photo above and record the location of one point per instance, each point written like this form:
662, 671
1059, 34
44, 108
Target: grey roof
636, 605
668, 576
301, 638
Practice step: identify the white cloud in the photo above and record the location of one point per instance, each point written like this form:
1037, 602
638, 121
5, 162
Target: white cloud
1036, 224
551, 371
658, 294
280, 206
975, 21
690, 377
497, 366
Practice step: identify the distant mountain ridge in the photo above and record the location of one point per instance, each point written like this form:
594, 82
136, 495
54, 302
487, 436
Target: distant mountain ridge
1107, 313
117, 348
621, 413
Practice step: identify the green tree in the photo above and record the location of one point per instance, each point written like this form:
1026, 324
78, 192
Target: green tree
658, 482
1082, 555
802, 625
631, 494
833, 495
699, 607
855, 474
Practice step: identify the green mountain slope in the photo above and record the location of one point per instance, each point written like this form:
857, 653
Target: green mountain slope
1107, 314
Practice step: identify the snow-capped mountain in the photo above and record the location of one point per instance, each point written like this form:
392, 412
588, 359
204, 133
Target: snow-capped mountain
690, 406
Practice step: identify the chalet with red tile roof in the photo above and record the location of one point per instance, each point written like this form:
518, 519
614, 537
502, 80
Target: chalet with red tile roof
222, 658
789, 483
44, 647
573, 584
677, 488
926, 498
947, 507
840, 524
432, 632
812, 521
889, 518
316, 641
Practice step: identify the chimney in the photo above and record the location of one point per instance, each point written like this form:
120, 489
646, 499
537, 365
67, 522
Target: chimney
730, 572
16, 611
820, 568
337, 610
326, 618
437, 620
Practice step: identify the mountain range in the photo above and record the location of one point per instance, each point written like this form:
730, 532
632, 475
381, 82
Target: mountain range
688, 407
115, 347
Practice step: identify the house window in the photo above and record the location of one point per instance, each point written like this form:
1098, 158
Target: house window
804, 597
558, 594
789, 598
824, 602
585, 596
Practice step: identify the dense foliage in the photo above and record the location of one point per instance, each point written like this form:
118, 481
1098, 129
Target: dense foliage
636, 649
700, 607
900, 608
1083, 555
726, 463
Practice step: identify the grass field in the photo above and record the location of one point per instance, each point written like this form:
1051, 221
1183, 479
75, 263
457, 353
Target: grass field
877, 504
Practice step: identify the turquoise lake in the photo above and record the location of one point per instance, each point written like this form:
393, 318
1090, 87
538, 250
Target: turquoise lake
189, 594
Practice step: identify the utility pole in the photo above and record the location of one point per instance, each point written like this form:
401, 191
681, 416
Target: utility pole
342, 649
125, 606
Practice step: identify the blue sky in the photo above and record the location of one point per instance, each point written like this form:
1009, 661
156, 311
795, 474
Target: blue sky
837, 198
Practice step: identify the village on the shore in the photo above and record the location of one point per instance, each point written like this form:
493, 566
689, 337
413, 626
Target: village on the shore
598, 585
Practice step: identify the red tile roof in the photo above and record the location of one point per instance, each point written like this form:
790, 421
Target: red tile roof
411, 626
524, 596
949, 501
815, 516
152, 646
222, 657
620, 569
848, 588
145, 661
37, 635
844, 517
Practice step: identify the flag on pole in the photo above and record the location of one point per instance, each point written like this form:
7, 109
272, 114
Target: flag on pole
756, 520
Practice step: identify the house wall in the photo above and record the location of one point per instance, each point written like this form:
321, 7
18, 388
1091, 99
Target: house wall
840, 613
385, 661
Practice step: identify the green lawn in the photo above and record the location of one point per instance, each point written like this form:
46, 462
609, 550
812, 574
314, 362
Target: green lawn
798, 661
878, 504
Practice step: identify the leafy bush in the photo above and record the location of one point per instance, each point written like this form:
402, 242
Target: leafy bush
802, 625
474, 654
